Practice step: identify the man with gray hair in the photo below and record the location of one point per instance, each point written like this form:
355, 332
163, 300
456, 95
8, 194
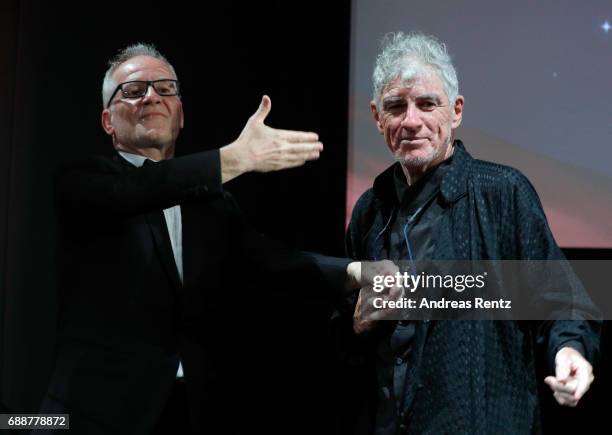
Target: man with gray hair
150, 333
438, 203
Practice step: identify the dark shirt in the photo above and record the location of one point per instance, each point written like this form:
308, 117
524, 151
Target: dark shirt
411, 238
418, 212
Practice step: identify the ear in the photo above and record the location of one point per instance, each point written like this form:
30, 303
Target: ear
182, 115
106, 122
376, 117
457, 111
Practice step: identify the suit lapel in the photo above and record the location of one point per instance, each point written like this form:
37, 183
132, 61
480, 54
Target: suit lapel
205, 241
159, 230
193, 253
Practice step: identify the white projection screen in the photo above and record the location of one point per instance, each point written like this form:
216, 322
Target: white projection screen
537, 82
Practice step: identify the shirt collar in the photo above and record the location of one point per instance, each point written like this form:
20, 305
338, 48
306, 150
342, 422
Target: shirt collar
414, 196
135, 159
453, 186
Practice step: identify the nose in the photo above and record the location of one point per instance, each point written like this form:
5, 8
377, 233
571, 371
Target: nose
412, 118
151, 96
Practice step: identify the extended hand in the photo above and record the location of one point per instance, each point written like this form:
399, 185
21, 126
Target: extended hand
263, 149
573, 377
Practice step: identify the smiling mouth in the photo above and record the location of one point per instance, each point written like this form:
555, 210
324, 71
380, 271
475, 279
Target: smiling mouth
416, 141
149, 115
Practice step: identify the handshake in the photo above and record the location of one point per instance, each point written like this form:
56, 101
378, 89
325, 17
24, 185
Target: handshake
363, 276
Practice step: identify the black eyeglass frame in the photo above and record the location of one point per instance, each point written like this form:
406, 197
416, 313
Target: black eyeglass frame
150, 83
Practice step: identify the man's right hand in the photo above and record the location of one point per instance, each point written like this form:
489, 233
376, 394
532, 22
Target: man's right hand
261, 148
361, 325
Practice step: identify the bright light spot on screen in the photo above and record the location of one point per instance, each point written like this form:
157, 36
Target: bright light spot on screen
606, 26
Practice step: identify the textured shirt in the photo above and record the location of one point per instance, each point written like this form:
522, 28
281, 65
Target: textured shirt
413, 226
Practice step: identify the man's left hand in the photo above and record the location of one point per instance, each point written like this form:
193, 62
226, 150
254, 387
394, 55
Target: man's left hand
573, 377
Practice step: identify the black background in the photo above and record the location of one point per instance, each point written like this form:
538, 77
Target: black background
52, 61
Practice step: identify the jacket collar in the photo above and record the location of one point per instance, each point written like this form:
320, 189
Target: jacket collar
454, 183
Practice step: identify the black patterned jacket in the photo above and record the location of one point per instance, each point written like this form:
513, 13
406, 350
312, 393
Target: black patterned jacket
470, 377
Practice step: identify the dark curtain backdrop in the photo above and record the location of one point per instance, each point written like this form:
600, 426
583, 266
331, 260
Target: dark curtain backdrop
52, 60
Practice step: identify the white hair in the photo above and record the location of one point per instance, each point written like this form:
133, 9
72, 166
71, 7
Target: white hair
138, 49
413, 55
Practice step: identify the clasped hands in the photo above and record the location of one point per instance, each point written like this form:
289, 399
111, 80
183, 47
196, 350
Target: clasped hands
361, 276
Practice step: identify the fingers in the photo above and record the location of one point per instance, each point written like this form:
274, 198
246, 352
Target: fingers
560, 386
359, 324
565, 399
296, 136
287, 164
549, 380
299, 148
263, 110
584, 377
287, 156
375, 306
396, 293
564, 393
300, 157
308, 151
377, 268
569, 393
583, 386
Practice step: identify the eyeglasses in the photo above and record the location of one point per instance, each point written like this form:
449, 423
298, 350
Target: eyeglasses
138, 89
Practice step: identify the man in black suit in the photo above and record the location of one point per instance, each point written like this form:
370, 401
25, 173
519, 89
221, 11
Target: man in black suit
153, 257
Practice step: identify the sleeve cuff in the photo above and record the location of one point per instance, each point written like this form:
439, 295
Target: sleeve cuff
202, 172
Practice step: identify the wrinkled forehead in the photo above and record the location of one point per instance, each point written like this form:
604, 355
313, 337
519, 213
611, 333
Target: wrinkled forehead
415, 81
143, 68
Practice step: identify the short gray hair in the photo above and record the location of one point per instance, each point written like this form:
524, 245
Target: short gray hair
138, 49
407, 55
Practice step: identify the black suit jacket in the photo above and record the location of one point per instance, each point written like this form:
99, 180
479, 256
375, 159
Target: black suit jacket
126, 319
